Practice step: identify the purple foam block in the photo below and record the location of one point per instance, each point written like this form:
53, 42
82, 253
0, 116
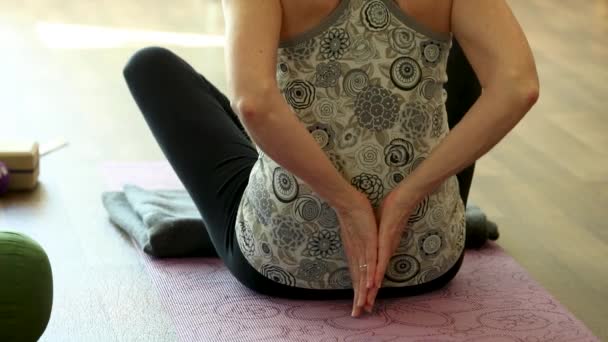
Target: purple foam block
4, 178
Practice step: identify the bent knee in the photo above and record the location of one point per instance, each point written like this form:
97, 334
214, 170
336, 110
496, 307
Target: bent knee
147, 59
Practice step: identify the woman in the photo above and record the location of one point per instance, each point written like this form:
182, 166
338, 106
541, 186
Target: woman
347, 187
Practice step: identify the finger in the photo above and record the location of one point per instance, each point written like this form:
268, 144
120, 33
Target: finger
362, 286
372, 258
356, 307
355, 282
384, 255
382, 265
371, 273
354, 311
371, 297
376, 282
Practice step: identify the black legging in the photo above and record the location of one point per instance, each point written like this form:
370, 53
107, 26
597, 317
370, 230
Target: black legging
212, 155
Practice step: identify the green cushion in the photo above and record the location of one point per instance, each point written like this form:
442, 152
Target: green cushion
26, 288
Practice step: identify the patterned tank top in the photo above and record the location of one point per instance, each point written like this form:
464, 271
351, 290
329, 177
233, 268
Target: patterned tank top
367, 82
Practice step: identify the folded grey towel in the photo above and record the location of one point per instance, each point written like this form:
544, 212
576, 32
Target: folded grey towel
164, 223
479, 228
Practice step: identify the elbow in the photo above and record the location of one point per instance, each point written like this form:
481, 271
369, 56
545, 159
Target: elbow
529, 92
246, 106
253, 104
522, 89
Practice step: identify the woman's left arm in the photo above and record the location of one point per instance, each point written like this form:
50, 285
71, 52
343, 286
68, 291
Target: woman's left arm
253, 31
253, 34
499, 53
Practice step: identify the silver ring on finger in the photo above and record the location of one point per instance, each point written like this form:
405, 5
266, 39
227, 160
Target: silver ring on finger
362, 266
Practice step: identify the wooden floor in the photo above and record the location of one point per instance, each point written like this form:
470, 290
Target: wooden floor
546, 184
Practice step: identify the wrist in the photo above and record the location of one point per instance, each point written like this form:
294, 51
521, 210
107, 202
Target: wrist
410, 193
423, 180
347, 199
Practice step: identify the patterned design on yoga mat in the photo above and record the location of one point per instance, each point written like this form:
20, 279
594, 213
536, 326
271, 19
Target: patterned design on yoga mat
492, 298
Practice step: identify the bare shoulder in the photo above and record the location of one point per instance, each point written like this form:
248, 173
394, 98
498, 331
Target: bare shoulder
299, 16
435, 14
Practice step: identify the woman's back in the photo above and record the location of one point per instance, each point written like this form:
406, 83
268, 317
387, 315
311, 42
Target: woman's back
366, 79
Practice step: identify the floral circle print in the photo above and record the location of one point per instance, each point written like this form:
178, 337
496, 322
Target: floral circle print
419, 212
430, 273
248, 246
263, 206
430, 243
405, 73
431, 52
436, 215
405, 241
376, 108
349, 137
327, 74
402, 40
355, 81
428, 89
300, 94
393, 179
287, 232
340, 279
260, 200
328, 218
325, 110
323, 244
363, 50
371, 185
337, 161
266, 250
368, 156
398, 152
437, 123
335, 43
416, 163
301, 51
284, 185
416, 121
401, 268
459, 244
307, 208
278, 274
312, 270
323, 135
375, 16
282, 71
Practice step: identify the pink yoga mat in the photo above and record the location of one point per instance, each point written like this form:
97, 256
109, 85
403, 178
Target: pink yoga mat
491, 299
